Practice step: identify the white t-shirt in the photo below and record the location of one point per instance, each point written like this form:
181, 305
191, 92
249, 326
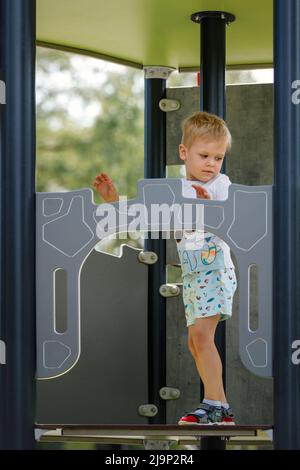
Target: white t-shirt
199, 250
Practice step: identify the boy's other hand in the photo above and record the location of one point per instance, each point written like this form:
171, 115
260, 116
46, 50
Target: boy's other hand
201, 192
105, 187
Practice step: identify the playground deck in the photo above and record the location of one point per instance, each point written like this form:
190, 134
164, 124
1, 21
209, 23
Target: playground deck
149, 435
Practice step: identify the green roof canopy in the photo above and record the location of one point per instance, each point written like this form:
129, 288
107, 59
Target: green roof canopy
155, 32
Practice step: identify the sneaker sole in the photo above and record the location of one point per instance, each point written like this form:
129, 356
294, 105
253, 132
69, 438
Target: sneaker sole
224, 423
184, 423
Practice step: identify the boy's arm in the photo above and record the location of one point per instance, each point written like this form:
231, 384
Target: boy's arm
105, 187
201, 192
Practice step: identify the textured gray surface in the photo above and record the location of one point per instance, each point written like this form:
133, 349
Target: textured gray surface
181, 369
250, 120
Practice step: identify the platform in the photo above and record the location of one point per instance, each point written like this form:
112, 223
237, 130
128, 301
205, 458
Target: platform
152, 436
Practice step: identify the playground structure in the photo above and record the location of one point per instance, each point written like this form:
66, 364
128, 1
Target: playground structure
65, 234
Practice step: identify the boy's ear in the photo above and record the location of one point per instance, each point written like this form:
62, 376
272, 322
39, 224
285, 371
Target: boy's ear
182, 152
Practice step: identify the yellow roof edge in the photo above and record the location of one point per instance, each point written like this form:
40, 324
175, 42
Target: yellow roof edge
136, 65
230, 67
89, 53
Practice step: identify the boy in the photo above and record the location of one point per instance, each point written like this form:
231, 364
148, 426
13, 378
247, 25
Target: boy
209, 280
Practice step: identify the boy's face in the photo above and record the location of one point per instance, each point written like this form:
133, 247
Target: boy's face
203, 159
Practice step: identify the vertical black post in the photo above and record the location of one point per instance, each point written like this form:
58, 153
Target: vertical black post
286, 281
155, 167
212, 100
17, 176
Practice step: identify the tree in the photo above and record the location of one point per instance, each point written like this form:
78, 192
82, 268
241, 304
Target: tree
70, 152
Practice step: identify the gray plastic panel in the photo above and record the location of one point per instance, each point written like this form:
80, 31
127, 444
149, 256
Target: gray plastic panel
110, 380
66, 233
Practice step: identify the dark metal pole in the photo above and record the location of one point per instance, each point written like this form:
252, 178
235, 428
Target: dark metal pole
286, 284
212, 100
17, 176
213, 60
155, 167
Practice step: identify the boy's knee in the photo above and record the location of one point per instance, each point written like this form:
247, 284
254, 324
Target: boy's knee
201, 339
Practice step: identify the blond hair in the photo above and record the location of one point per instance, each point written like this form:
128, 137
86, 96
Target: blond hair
202, 124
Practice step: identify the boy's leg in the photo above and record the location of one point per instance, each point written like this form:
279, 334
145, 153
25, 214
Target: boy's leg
202, 346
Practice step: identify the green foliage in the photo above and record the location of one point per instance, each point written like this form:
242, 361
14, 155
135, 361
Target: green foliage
71, 152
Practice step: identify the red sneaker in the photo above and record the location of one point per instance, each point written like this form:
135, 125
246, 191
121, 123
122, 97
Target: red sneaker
227, 416
212, 415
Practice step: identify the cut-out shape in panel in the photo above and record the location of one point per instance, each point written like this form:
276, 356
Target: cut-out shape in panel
69, 224
52, 206
253, 297
60, 300
245, 214
257, 352
55, 354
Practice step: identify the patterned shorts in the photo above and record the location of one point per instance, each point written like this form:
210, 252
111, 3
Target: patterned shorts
208, 293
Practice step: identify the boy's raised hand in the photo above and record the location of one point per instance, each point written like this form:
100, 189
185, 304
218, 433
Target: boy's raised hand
105, 187
201, 192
